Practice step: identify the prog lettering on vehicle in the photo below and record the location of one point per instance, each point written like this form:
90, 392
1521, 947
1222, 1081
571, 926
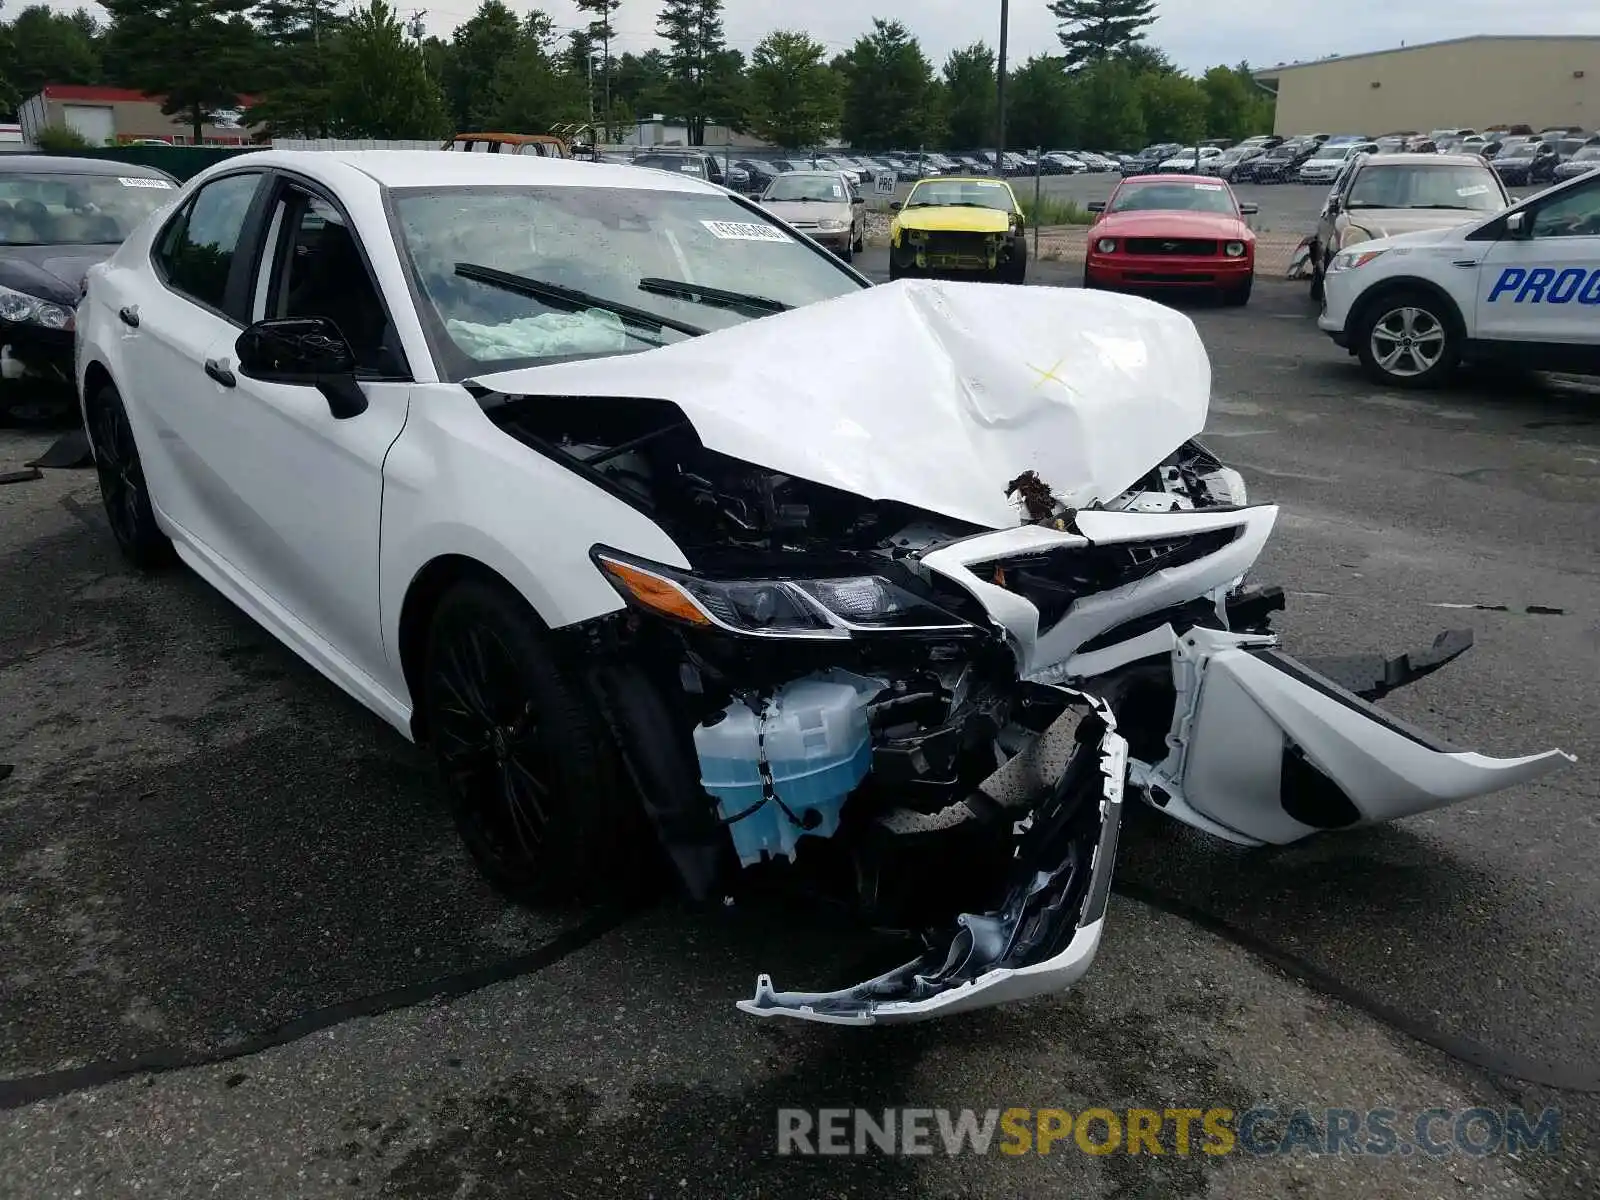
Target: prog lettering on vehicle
1548, 285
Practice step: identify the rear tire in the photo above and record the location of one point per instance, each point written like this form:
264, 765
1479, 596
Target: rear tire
123, 489
530, 775
1433, 350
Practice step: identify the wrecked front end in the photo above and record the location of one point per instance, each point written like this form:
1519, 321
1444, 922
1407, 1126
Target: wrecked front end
932, 724
928, 713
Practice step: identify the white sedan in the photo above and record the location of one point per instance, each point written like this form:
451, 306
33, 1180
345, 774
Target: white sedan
536, 459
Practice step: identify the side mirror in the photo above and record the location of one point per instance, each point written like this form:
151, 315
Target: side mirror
895, 206
1097, 206
1249, 210
307, 352
1517, 225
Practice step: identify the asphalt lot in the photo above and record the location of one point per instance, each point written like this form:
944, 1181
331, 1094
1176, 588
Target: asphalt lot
205, 849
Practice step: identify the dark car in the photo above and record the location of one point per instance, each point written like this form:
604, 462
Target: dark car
694, 162
1585, 160
758, 174
58, 217
1278, 164
1527, 162
1150, 158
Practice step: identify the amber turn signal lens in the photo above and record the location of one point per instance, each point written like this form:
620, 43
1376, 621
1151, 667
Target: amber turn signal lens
657, 594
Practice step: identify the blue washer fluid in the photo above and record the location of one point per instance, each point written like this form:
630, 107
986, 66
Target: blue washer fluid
811, 737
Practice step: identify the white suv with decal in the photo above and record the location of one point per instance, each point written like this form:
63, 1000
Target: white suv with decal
1523, 285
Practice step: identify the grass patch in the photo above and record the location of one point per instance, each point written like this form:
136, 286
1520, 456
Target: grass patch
1053, 211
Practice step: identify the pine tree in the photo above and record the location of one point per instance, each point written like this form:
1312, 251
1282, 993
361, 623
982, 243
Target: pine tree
381, 86
600, 30
1095, 30
698, 62
300, 37
198, 54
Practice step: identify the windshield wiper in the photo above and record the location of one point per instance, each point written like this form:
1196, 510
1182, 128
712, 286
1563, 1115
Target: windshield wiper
1451, 207
571, 299
699, 293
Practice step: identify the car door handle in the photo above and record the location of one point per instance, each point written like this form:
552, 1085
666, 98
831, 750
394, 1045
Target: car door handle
220, 373
129, 315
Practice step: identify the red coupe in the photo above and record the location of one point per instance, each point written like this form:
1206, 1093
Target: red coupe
1160, 231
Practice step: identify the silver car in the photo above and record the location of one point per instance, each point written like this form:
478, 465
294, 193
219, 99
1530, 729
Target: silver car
1382, 195
823, 205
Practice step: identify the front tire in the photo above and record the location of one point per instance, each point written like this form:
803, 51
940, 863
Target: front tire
123, 489
530, 775
1239, 295
1408, 339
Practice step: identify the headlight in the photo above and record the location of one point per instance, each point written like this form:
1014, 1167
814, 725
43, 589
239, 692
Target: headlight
1234, 249
22, 309
1354, 234
832, 225
917, 237
1348, 260
1106, 245
834, 608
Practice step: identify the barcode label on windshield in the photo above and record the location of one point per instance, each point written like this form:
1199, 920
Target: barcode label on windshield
745, 231
127, 181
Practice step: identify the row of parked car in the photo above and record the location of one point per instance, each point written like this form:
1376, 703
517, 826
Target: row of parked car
1520, 158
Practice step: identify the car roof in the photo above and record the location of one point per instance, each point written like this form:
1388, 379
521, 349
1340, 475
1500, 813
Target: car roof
440, 168
1424, 159
1172, 177
61, 164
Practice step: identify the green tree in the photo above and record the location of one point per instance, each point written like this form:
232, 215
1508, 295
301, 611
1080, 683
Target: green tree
299, 37
969, 95
1112, 106
382, 88
197, 54
1174, 108
533, 91
794, 97
50, 47
889, 98
601, 31
702, 79
1043, 105
1094, 30
639, 83
480, 46
1235, 107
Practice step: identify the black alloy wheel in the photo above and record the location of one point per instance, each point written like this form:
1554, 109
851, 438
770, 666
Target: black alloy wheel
530, 775
123, 489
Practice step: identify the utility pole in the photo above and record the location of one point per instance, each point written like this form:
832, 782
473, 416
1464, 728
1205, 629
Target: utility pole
414, 26
1000, 89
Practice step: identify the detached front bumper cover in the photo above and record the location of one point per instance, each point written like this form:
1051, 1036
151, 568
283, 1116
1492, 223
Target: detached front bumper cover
1043, 937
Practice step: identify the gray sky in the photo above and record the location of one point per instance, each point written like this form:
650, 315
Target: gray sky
1196, 33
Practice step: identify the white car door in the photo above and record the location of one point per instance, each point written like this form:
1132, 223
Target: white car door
304, 486
1541, 283
193, 301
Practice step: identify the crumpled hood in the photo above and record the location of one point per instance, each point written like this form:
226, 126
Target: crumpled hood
929, 393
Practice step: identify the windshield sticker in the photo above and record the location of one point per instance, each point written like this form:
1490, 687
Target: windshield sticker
1477, 189
127, 181
1208, 187
745, 231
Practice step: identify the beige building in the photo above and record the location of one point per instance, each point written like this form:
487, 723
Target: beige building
108, 116
1470, 82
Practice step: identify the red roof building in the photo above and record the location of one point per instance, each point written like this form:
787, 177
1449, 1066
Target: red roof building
115, 116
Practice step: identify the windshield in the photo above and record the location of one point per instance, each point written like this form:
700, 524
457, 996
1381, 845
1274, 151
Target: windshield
1471, 188
1332, 153
49, 209
827, 188
666, 162
626, 251
1587, 154
961, 193
1173, 197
